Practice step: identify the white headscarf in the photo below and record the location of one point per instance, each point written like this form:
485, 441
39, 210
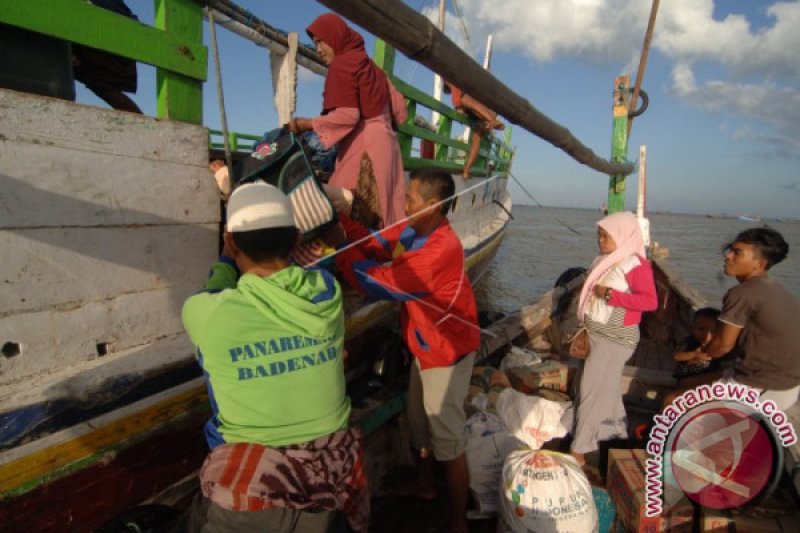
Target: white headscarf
624, 229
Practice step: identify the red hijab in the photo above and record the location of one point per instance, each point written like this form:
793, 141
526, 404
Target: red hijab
353, 79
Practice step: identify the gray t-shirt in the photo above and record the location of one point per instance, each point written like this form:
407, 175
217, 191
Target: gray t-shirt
770, 338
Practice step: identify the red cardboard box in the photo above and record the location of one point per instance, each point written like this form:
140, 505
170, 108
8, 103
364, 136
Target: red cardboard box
549, 374
626, 486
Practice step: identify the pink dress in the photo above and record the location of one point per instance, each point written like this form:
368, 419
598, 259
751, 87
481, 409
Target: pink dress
376, 137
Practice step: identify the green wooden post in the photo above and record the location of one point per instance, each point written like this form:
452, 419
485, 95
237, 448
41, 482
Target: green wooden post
404, 139
619, 144
384, 56
180, 97
445, 129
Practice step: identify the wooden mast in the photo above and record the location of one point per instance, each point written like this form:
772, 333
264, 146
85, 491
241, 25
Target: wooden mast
624, 108
437, 80
418, 38
648, 37
619, 143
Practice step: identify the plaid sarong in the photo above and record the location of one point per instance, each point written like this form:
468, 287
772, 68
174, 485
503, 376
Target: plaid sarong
325, 474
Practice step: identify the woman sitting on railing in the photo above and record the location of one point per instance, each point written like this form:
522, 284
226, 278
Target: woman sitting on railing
359, 108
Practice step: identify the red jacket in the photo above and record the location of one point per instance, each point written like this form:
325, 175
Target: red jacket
439, 316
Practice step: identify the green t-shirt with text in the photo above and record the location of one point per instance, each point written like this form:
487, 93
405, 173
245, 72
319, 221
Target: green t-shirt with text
271, 349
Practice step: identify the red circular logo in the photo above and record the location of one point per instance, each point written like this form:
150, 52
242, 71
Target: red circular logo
722, 457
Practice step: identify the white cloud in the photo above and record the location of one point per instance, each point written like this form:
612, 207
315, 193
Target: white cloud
756, 72
766, 102
687, 32
547, 30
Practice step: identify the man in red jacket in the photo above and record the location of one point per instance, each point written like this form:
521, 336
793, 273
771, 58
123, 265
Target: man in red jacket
421, 263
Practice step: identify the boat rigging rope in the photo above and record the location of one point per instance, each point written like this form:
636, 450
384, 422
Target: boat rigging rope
220, 96
406, 219
538, 204
463, 26
445, 312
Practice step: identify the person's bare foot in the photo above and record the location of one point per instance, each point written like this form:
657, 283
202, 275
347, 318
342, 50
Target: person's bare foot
495, 124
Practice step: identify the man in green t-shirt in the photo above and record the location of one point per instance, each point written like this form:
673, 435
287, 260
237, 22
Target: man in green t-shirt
269, 338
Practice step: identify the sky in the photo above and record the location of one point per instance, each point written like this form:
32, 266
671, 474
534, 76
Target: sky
722, 129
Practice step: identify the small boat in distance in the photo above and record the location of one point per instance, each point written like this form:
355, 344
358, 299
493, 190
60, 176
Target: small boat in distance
748, 218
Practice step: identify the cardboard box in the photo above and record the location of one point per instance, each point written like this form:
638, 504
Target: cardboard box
549, 374
626, 486
716, 521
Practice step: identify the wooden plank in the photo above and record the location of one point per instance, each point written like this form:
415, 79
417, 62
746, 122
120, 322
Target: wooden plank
101, 190
97, 436
43, 121
51, 268
411, 92
680, 287
124, 478
80, 382
60, 337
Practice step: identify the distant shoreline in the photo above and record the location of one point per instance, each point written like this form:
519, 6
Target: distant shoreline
763, 219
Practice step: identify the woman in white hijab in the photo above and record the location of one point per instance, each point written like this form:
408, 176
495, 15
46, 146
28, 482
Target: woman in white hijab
618, 288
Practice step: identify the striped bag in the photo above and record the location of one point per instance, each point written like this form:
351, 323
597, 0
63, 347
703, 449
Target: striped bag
283, 159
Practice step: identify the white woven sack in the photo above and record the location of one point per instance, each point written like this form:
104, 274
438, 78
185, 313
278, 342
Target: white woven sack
531, 419
488, 442
545, 492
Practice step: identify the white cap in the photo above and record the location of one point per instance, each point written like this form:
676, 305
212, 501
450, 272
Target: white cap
258, 206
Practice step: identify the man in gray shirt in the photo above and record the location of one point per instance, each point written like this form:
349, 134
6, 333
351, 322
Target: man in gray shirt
759, 317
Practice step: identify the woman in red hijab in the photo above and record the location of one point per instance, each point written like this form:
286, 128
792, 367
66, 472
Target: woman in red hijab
359, 105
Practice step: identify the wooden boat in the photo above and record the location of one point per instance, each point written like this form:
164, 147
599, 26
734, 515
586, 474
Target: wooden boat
748, 218
110, 221
647, 377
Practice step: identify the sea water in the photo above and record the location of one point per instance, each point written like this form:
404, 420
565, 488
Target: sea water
542, 242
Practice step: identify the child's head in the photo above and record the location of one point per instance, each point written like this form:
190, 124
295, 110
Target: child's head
261, 223
704, 323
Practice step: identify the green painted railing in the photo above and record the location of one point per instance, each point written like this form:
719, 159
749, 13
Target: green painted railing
238, 142
174, 45
448, 152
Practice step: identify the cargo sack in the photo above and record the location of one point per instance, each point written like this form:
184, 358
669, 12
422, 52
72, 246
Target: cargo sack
532, 419
488, 442
545, 492
283, 159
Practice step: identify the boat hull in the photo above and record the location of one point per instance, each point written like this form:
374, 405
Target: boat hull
104, 408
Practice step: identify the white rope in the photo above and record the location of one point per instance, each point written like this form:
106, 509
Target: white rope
404, 220
463, 26
445, 312
429, 305
220, 96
